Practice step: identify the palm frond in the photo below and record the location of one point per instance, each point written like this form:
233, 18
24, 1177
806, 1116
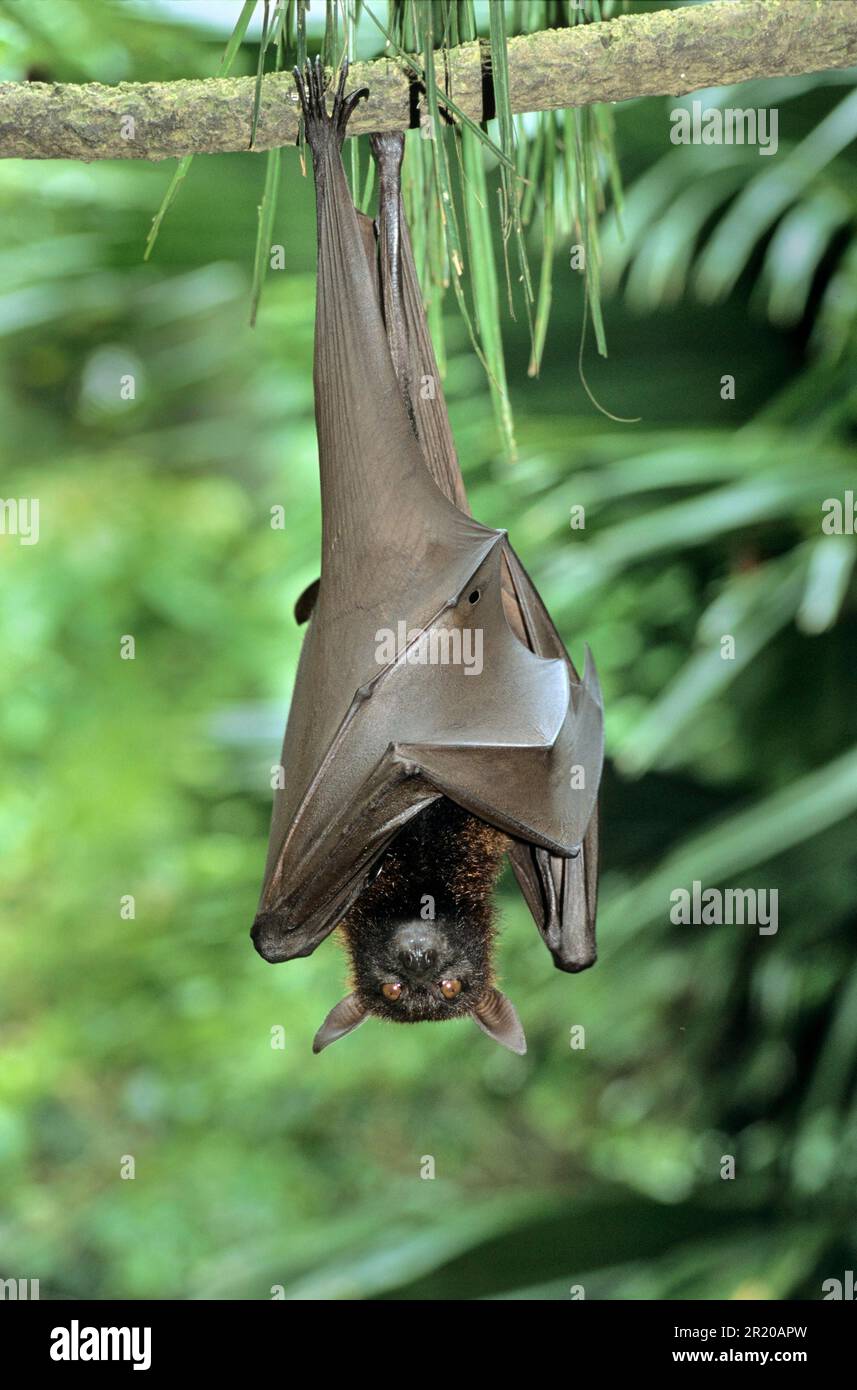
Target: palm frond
547, 173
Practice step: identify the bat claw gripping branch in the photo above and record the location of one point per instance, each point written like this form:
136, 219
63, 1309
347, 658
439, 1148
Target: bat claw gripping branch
320, 127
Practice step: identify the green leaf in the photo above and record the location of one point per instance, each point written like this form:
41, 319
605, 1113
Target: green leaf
267, 213
184, 163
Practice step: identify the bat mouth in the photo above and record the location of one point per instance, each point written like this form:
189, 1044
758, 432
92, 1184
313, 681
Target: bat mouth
270, 940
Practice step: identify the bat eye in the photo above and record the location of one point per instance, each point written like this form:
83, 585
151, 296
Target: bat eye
450, 988
474, 596
391, 990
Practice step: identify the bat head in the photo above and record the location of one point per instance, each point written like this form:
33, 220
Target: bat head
421, 935
422, 971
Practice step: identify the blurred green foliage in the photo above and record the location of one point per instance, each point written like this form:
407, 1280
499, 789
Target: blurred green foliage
152, 1037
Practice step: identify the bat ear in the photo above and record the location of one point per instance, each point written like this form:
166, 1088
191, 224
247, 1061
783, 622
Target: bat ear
496, 1016
344, 1018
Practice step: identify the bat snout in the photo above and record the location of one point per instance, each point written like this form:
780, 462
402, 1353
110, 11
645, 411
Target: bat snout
418, 950
417, 962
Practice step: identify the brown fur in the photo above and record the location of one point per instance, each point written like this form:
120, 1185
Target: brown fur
454, 859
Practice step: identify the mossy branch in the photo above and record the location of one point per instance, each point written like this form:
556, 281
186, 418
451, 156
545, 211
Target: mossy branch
636, 55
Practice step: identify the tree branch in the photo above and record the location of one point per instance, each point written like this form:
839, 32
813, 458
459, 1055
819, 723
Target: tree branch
664, 52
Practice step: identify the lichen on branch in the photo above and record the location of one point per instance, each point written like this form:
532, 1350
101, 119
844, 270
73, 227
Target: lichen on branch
635, 55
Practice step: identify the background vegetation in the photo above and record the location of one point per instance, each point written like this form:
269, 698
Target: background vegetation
256, 1166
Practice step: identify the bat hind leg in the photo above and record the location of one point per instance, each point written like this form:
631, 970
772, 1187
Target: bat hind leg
388, 148
405, 324
323, 129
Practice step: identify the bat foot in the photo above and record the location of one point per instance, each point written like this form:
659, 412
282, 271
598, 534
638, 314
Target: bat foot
322, 128
388, 148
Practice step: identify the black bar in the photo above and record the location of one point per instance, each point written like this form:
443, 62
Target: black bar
224, 1337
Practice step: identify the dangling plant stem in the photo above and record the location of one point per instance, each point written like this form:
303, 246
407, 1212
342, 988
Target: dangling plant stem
548, 170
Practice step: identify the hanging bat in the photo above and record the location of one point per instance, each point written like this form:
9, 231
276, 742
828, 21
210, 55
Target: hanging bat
437, 723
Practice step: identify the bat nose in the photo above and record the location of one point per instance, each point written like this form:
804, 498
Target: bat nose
418, 960
418, 947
